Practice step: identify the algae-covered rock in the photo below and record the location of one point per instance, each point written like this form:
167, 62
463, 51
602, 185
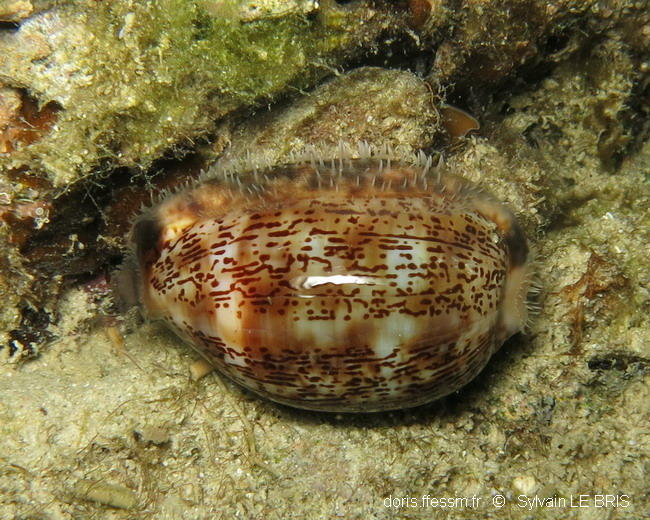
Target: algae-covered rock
136, 80
374, 105
491, 41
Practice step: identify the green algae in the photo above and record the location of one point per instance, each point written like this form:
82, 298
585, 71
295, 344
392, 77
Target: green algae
148, 78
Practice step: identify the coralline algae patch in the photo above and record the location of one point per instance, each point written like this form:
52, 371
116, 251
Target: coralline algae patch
352, 285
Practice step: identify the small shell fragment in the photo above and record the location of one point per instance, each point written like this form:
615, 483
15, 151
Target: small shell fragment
200, 368
352, 285
113, 495
457, 122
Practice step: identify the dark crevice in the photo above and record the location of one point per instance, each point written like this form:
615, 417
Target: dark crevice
9, 26
32, 332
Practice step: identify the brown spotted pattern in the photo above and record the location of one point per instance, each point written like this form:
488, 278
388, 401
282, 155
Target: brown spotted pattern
354, 287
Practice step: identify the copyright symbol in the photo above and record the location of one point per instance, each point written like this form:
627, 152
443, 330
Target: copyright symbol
498, 501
